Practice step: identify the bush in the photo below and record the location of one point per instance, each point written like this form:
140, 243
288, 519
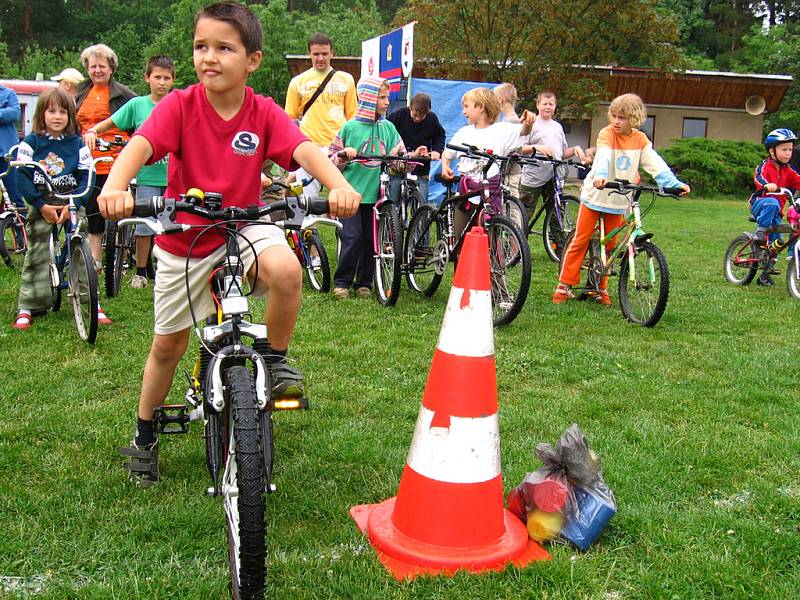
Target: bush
715, 167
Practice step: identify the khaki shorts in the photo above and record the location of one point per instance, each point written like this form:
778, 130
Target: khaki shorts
171, 303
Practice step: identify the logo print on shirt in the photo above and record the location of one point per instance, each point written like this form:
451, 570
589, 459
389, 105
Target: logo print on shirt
623, 163
245, 143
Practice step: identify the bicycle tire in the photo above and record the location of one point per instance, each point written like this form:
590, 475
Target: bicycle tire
413, 203
425, 261
555, 234
83, 289
741, 260
514, 210
792, 280
113, 259
7, 238
243, 487
390, 257
316, 264
509, 269
644, 300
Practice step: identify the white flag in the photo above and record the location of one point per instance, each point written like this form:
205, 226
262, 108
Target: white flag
408, 48
370, 57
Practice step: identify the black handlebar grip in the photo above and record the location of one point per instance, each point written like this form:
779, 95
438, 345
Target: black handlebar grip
613, 185
147, 207
674, 191
458, 148
317, 206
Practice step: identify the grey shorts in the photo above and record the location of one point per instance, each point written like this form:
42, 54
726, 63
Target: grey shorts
142, 192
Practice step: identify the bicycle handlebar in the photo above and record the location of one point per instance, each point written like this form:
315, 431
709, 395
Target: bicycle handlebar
165, 210
622, 186
51, 190
387, 158
9, 157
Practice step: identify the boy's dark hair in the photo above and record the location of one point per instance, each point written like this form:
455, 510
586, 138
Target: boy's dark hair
322, 39
421, 103
54, 97
238, 16
161, 61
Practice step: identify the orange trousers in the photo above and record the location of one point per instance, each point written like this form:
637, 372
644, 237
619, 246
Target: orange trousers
584, 229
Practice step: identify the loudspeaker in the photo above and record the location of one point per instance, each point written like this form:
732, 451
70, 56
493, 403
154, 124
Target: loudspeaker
755, 105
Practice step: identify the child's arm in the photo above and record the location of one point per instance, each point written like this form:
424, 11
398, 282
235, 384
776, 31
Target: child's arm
90, 137
658, 168
343, 200
115, 201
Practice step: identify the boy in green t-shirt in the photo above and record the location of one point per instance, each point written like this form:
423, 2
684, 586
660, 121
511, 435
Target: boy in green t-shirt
150, 180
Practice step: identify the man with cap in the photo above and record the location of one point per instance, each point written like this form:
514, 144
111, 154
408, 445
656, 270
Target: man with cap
68, 80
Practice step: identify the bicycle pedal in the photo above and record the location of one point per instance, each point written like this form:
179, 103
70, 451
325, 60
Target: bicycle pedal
288, 404
171, 419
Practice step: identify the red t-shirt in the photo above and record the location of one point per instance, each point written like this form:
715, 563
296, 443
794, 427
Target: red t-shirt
215, 155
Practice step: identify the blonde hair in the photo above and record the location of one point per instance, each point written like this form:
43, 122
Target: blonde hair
100, 51
484, 98
631, 106
506, 92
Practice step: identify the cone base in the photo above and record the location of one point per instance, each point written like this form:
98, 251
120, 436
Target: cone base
406, 558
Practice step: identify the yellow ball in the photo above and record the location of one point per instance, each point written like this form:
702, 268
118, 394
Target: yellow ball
544, 526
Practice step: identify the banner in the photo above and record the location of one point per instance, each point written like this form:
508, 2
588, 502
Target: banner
390, 56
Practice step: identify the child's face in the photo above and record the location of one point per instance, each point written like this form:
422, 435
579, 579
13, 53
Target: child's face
417, 116
620, 123
783, 152
160, 81
546, 105
220, 59
56, 119
382, 103
471, 111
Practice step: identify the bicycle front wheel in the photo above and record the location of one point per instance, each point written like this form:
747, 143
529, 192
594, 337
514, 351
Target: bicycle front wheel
792, 279
117, 244
413, 202
83, 290
243, 487
59, 253
643, 292
559, 223
514, 211
389, 256
317, 267
741, 260
425, 253
509, 269
13, 239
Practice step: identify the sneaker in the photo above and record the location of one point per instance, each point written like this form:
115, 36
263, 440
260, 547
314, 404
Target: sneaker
287, 382
765, 280
102, 319
603, 298
143, 466
562, 294
341, 293
364, 292
138, 282
23, 321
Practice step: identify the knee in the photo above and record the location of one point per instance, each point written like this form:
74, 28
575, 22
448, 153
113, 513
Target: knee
169, 348
282, 273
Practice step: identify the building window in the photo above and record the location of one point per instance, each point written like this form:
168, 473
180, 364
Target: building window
693, 128
21, 121
649, 129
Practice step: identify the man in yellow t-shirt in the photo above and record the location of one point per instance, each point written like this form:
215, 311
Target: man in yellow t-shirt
333, 107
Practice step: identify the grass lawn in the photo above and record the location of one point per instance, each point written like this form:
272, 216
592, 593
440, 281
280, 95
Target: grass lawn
696, 420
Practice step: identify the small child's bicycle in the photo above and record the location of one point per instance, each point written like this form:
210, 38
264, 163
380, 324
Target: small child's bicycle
230, 387
747, 255
13, 237
71, 263
641, 265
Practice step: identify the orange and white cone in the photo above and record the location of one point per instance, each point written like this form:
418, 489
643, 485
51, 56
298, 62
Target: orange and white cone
448, 513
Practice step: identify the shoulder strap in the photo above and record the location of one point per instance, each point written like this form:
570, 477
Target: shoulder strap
318, 92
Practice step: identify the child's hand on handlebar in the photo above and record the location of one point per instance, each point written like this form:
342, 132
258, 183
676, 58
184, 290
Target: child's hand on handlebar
351, 153
115, 204
686, 189
343, 202
447, 172
52, 214
771, 187
599, 182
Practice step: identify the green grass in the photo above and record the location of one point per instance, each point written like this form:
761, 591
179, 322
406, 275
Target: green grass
696, 421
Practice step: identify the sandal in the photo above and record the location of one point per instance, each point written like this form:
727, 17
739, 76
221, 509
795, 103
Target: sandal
143, 466
23, 321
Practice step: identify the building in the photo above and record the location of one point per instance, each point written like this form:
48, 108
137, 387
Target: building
681, 104
28, 94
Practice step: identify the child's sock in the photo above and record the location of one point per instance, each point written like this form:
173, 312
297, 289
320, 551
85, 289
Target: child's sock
141, 271
145, 432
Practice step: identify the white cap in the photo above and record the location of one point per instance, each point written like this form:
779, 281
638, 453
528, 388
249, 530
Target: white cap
69, 74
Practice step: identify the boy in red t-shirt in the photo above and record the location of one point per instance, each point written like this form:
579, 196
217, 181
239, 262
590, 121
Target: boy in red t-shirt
218, 134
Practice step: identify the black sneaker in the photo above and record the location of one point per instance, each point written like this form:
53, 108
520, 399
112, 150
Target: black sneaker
765, 280
287, 382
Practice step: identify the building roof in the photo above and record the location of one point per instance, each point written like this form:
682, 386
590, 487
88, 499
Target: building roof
706, 89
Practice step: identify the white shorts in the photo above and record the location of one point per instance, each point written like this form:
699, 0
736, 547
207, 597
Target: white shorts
171, 305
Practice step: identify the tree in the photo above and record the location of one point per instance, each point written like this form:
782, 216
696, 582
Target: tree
538, 43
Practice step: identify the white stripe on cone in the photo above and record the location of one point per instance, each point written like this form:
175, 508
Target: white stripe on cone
468, 330
467, 452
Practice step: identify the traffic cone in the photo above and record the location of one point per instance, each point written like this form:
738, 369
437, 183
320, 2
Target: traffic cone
448, 513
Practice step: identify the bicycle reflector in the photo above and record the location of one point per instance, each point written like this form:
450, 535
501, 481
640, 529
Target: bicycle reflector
289, 403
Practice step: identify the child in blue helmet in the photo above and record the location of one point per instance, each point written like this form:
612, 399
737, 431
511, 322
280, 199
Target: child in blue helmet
770, 176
